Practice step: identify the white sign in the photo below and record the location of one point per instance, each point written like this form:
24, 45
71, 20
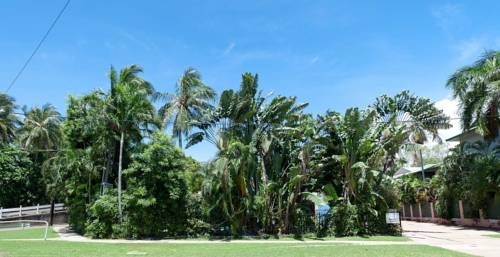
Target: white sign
392, 218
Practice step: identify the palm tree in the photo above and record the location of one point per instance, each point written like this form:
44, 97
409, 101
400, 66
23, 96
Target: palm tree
191, 99
130, 113
130, 75
41, 129
407, 119
356, 147
41, 133
255, 141
477, 87
7, 118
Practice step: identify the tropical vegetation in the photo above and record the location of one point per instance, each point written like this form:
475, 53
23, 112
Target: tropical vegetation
471, 170
121, 174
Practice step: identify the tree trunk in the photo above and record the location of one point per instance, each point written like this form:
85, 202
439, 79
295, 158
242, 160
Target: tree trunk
180, 139
52, 209
89, 186
120, 214
422, 165
346, 185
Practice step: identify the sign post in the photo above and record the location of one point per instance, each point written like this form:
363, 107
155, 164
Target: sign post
392, 217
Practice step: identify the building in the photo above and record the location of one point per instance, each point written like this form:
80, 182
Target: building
429, 171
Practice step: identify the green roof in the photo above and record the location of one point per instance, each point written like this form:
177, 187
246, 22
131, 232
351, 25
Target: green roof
412, 170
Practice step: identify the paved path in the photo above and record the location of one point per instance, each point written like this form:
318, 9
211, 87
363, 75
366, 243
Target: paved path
468, 240
66, 235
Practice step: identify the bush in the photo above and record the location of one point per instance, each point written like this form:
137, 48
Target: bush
21, 182
157, 193
103, 217
344, 220
197, 216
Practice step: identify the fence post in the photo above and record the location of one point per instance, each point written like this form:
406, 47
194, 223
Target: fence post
1, 210
461, 210
20, 210
420, 211
411, 211
38, 209
482, 217
432, 210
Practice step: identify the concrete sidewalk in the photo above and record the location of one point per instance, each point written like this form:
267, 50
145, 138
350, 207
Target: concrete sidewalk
66, 235
468, 240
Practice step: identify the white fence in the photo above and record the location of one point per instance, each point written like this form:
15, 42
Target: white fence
30, 210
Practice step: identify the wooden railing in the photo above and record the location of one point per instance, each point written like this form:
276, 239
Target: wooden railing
28, 211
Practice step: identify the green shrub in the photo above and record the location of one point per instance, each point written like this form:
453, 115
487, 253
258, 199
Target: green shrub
197, 215
157, 193
21, 182
103, 217
344, 220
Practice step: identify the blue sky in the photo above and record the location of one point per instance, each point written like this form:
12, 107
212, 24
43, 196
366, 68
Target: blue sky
332, 54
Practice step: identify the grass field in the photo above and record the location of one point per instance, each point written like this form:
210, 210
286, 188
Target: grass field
11, 247
63, 248
494, 236
27, 233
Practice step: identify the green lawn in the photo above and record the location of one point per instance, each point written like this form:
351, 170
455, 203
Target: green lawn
494, 236
63, 248
27, 233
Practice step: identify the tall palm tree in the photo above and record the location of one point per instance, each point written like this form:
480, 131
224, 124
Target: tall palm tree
7, 118
41, 128
190, 100
477, 87
255, 141
41, 133
130, 112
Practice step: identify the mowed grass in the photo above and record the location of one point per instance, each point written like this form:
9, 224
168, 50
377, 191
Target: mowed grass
69, 249
494, 236
26, 233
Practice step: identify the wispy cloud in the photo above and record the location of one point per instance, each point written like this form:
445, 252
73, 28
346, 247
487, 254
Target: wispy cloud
140, 42
445, 15
470, 49
124, 39
229, 48
314, 60
259, 54
451, 108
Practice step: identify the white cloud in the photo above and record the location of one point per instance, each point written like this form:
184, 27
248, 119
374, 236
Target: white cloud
229, 48
314, 60
148, 46
445, 15
470, 50
450, 107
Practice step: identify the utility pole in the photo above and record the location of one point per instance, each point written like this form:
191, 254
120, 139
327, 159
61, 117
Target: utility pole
422, 164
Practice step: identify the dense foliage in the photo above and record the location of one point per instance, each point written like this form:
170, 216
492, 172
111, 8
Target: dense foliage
19, 183
157, 199
477, 87
120, 175
471, 171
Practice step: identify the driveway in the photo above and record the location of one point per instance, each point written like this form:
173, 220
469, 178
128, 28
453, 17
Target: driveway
468, 240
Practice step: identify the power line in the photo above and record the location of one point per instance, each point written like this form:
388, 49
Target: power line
38, 46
